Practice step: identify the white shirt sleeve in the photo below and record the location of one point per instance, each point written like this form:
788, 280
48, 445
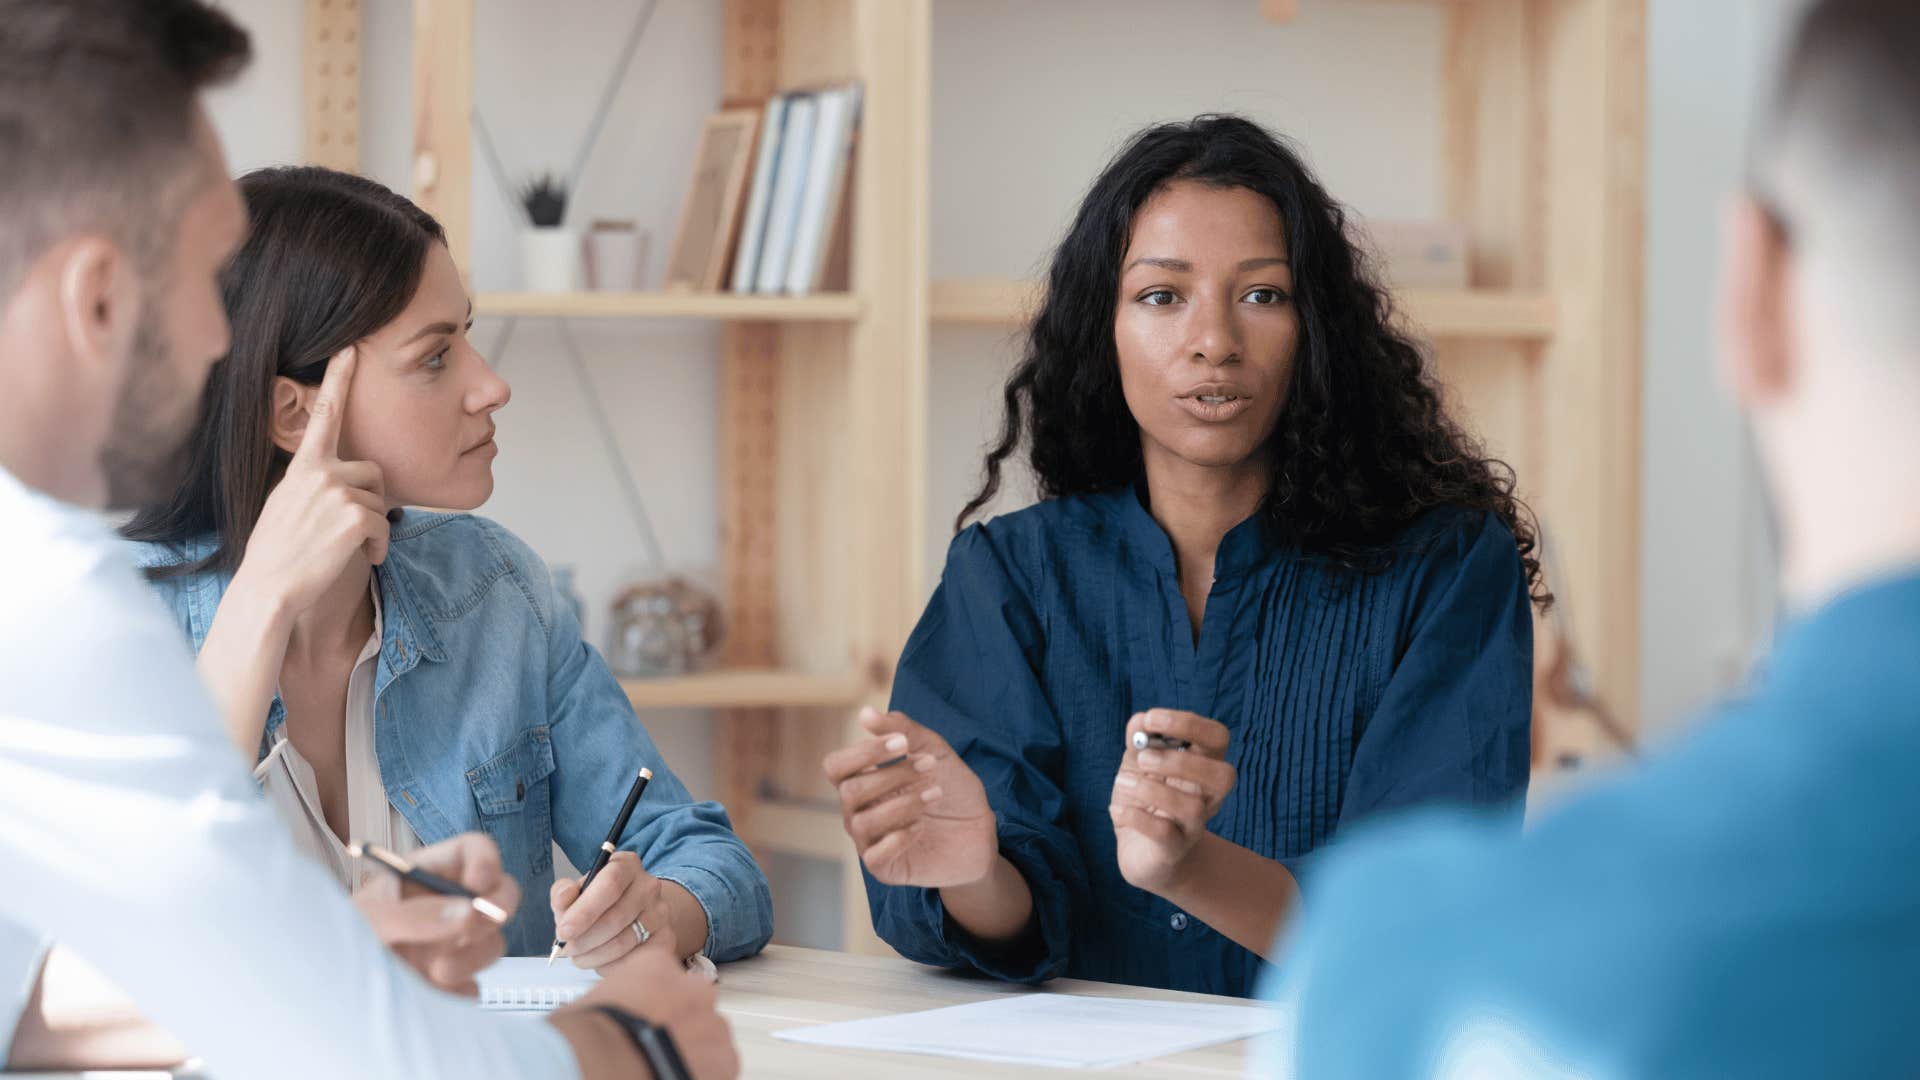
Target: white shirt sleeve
131, 832
21, 953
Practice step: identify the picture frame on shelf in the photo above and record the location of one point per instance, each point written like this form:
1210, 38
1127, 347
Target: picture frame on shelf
710, 214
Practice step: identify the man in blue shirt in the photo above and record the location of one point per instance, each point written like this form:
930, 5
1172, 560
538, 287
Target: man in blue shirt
1748, 903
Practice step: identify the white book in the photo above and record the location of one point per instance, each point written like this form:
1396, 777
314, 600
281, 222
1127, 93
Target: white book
826, 178
796, 143
747, 258
527, 984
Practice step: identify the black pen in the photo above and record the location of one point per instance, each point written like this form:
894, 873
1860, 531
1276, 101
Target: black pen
427, 881
1146, 740
608, 846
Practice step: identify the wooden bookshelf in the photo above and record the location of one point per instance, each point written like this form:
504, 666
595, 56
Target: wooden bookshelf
1470, 314
812, 830
1479, 314
981, 302
721, 307
824, 399
747, 688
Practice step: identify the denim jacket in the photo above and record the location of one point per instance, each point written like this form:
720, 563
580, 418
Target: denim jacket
492, 714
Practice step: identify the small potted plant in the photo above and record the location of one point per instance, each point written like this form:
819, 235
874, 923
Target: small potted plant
549, 251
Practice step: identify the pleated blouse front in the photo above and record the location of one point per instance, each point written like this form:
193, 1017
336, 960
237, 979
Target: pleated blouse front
1346, 693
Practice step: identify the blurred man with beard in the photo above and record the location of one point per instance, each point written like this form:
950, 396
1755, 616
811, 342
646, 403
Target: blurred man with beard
130, 831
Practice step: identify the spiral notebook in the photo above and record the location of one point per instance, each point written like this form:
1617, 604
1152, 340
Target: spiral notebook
527, 984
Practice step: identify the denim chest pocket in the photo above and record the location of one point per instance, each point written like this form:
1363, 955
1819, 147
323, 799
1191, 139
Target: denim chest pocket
511, 791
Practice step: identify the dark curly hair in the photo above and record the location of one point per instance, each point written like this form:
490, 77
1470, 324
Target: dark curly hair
1363, 444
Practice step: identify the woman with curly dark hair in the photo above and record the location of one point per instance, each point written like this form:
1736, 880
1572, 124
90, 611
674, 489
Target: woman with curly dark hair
1272, 588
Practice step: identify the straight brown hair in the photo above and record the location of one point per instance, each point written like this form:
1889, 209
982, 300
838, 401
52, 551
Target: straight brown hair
331, 258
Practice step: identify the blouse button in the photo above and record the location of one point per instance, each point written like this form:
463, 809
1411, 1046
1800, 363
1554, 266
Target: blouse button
1179, 920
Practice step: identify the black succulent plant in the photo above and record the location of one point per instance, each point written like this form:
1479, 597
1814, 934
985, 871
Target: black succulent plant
545, 198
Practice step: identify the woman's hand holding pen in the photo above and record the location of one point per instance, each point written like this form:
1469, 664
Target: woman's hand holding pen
443, 937
1163, 798
916, 813
598, 926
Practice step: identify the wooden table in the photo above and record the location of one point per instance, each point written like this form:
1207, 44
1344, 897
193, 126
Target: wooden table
787, 987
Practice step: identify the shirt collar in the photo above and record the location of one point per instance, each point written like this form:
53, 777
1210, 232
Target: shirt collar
1244, 547
411, 635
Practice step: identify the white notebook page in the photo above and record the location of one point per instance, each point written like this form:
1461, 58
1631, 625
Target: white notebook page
1062, 1030
527, 984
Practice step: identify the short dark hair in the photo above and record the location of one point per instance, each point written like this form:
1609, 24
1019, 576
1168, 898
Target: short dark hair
96, 113
1364, 443
1837, 158
329, 258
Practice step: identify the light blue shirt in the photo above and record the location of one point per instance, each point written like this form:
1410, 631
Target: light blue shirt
492, 715
1746, 904
131, 833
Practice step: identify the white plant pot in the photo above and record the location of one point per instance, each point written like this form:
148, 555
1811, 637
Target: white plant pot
550, 259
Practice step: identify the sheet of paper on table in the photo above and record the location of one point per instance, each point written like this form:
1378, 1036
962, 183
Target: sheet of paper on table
1062, 1030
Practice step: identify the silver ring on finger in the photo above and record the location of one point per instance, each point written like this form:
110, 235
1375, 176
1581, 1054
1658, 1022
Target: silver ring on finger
641, 932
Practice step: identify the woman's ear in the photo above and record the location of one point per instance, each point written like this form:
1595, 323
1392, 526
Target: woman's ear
287, 419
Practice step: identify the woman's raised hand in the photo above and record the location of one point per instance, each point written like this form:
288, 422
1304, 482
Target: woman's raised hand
322, 511
917, 814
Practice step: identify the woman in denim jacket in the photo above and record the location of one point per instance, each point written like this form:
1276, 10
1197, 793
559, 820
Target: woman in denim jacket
404, 676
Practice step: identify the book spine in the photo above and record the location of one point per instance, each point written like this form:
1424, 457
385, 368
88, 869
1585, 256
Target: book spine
795, 156
766, 161
827, 211
827, 134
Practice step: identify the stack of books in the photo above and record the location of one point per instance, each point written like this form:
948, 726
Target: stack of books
796, 204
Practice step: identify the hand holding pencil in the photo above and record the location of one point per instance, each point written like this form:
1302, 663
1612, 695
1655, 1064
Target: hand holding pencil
454, 898
1173, 776
617, 907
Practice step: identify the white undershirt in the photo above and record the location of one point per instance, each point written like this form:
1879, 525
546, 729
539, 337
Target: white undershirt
288, 780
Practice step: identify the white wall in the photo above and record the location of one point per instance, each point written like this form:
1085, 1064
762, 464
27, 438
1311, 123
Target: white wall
1029, 101
1706, 593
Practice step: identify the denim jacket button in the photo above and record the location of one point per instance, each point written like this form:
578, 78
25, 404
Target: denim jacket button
1179, 920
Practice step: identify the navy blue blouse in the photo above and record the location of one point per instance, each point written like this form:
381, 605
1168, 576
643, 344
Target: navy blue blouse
1345, 694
